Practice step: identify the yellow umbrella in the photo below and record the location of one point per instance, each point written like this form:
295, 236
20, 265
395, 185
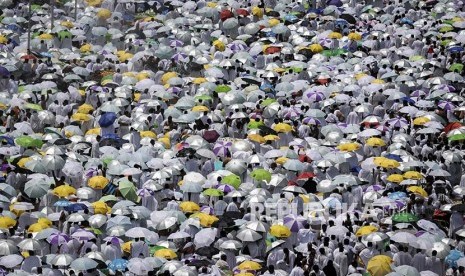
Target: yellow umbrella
386, 162
85, 108
395, 178
281, 160
93, 131
258, 12
219, 45
354, 36
244, 274
125, 56
256, 138
378, 81
199, 80
421, 121
379, 265
81, 117
282, 127
46, 36
271, 137
22, 162
189, 207
316, 48
149, 19
418, 190
94, 3
166, 254
212, 4
206, 220
64, 191
375, 142
335, 35
7, 222
3, 39
67, 24
148, 133
101, 207
360, 75
98, 182
413, 175
249, 265
104, 13
165, 141
200, 108
365, 230
273, 22
126, 247
45, 221
280, 231
348, 147
37, 227
86, 48
167, 76
142, 76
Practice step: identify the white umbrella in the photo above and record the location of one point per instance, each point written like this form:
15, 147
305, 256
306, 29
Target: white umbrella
205, 237
248, 235
83, 264
138, 266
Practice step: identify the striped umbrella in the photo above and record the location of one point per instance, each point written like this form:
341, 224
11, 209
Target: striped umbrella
222, 148
398, 122
294, 223
446, 105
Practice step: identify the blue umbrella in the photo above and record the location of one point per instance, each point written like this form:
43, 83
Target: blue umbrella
397, 195
456, 49
8, 140
451, 259
76, 207
336, 3
62, 203
394, 157
4, 72
107, 119
118, 265
406, 21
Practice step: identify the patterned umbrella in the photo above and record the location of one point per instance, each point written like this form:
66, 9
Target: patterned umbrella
295, 223
222, 148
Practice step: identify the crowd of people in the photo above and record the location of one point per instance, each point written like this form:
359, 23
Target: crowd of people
232, 137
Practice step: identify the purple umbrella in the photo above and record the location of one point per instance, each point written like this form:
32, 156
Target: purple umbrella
418, 93
211, 136
144, 192
58, 239
179, 57
225, 188
311, 121
336, 3
176, 43
222, 148
446, 87
207, 210
446, 105
292, 112
374, 188
83, 235
398, 122
294, 223
315, 96
237, 47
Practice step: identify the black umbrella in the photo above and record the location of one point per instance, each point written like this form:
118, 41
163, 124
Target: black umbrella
185, 152
200, 263
207, 251
233, 215
458, 208
211, 136
349, 18
224, 222
264, 130
62, 142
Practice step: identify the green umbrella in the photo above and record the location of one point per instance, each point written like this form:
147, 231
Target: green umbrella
222, 89
33, 106
445, 42
107, 77
108, 198
448, 21
213, 192
232, 180
64, 34
446, 29
456, 67
203, 97
404, 217
333, 53
261, 174
255, 124
155, 248
416, 58
268, 101
457, 137
128, 190
27, 141
35, 7
95, 230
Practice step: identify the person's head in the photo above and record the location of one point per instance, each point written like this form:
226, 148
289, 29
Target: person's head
271, 269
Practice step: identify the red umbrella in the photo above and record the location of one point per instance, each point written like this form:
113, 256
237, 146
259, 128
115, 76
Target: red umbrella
452, 126
305, 175
272, 50
242, 12
29, 57
226, 14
